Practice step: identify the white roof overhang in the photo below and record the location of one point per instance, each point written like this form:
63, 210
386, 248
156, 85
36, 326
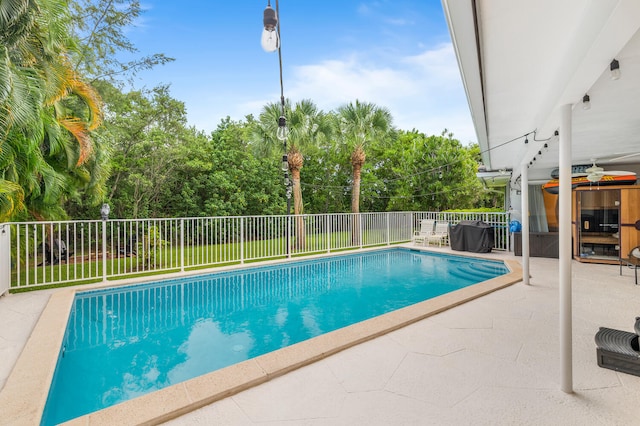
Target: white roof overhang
521, 60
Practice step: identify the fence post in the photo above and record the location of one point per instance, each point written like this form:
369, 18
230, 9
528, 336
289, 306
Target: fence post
328, 231
5, 258
241, 239
182, 245
360, 226
104, 250
289, 236
388, 229
507, 221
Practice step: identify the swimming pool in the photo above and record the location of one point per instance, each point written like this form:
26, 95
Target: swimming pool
155, 335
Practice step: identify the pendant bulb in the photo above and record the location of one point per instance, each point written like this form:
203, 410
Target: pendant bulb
615, 69
270, 39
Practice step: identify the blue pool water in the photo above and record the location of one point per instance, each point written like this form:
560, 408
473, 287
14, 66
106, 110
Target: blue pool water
125, 342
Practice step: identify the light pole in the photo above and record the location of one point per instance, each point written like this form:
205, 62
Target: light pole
271, 41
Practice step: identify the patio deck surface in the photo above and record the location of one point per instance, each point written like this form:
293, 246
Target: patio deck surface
493, 360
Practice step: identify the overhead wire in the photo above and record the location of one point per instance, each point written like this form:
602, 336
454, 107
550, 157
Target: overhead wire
433, 169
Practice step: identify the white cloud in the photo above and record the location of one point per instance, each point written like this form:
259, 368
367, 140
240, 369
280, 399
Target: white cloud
422, 92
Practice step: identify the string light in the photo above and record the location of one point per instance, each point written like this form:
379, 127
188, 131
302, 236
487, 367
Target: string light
615, 69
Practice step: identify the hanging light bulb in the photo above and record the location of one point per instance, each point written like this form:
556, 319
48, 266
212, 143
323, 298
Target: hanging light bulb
282, 133
586, 102
285, 163
283, 130
615, 69
270, 40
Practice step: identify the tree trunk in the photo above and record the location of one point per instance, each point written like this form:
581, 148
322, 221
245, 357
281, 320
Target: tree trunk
355, 191
296, 161
358, 158
298, 206
298, 209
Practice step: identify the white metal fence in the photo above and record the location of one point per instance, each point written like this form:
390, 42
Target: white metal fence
36, 254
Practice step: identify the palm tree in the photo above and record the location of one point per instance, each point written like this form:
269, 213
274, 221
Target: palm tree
308, 126
46, 111
360, 123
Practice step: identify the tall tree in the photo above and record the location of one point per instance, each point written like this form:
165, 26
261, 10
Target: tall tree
360, 123
216, 176
46, 111
307, 126
431, 173
101, 28
146, 129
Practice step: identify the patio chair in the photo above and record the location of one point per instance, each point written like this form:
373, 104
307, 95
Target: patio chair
440, 234
632, 261
426, 230
618, 350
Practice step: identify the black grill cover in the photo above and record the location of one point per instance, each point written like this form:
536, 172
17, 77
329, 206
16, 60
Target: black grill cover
472, 235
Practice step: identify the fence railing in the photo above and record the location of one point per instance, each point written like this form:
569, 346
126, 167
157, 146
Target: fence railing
36, 254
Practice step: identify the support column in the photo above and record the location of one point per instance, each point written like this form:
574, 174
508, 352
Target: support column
564, 243
524, 192
5, 257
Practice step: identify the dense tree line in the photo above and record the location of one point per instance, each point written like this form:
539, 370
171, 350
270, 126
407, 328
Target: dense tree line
71, 137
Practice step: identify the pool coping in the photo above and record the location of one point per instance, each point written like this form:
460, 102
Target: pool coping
25, 392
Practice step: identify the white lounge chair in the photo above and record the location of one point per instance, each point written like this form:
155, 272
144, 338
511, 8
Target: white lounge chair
426, 230
440, 234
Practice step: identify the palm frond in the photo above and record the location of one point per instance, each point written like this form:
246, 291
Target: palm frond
79, 130
11, 199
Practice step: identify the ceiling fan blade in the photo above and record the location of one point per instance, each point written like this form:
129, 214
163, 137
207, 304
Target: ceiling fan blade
622, 157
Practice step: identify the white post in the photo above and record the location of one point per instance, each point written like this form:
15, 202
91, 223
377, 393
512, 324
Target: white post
328, 233
5, 257
564, 244
360, 231
104, 250
288, 236
182, 245
388, 229
525, 222
241, 239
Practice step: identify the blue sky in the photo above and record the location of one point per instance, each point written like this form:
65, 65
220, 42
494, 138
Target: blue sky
394, 53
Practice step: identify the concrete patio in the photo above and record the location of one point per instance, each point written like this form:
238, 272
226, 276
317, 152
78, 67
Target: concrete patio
493, 360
